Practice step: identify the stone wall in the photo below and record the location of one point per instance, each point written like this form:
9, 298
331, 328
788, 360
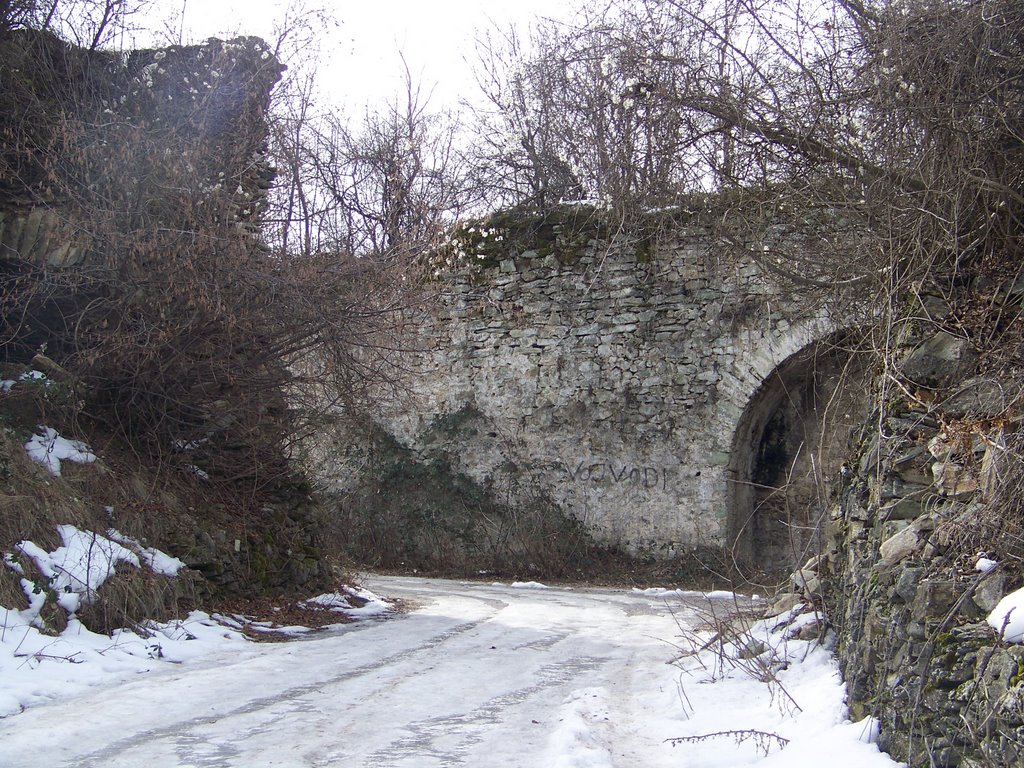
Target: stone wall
59, 98
909, 604
627, 379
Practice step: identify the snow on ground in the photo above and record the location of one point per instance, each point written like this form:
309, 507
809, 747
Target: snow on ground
38, 666
157, 561
47, 447
778, 700
50, 449
717, 594
472, 674
528, 585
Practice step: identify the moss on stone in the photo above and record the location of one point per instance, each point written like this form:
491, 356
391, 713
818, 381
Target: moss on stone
1017, 678
567, 233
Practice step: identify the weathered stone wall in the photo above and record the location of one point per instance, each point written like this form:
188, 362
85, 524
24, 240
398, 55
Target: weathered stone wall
900, 576
40, 236
59, 98
616, 375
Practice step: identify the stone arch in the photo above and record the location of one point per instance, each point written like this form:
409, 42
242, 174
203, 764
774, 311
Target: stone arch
789, 441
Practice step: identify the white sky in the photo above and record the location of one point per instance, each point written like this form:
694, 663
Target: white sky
359, 57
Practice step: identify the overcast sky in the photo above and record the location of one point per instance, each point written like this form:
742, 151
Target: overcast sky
359, 56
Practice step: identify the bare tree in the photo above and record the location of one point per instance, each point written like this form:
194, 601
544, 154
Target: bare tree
517, 148
865, 143
91, 24
15, 14
572, 115
387, 187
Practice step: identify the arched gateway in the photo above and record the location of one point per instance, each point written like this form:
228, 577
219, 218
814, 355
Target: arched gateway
668, 399
787, 447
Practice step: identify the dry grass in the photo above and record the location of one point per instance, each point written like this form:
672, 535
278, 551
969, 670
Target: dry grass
33, 502
116, 491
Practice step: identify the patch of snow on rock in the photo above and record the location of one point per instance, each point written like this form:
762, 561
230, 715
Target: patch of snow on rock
1008, 617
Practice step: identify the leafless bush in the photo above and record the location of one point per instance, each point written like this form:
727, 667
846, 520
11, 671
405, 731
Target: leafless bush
133, 596
729, 637
184, 332
428, 517
763, 740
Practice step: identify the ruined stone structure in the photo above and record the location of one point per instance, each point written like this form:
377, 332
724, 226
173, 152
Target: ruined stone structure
659, 392
80, 130
215, 94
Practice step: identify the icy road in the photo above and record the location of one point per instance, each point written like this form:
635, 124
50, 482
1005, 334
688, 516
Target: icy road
484, 676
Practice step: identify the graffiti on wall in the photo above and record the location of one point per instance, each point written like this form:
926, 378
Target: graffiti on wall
610, 473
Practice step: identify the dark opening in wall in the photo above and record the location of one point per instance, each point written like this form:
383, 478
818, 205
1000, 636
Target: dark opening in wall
772, 456
792, 438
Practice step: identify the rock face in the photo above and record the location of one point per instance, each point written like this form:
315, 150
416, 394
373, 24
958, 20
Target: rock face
900, 569
661, 393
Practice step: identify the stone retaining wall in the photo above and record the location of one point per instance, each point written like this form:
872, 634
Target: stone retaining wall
900, 576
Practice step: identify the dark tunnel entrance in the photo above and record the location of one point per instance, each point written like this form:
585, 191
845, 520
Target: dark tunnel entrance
791, 440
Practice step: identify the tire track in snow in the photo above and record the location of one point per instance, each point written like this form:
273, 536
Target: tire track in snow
426, 745
194, 750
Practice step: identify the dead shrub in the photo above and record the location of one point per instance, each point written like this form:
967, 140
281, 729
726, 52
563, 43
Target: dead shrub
12, 595
133, 596
187, 337
732, 636
33, 502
